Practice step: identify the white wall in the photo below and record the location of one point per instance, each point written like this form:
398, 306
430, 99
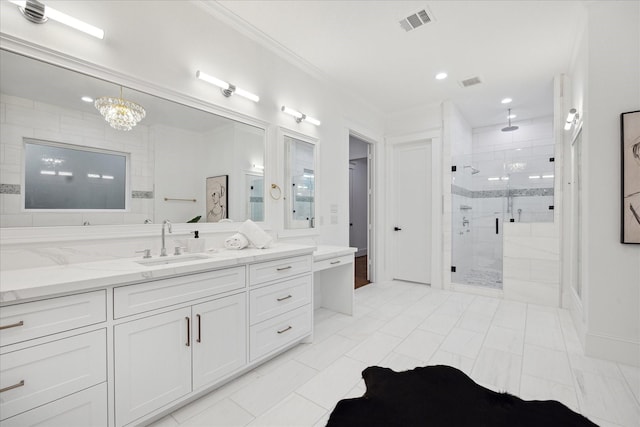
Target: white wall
605, 83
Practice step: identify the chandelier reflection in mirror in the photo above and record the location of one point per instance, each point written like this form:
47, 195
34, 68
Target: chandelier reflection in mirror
120, 113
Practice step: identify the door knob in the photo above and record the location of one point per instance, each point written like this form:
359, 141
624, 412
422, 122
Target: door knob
397, 228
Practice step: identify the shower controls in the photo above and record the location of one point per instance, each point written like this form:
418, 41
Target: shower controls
397, 229
465, 221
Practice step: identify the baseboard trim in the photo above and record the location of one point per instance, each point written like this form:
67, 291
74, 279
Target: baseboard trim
612, 348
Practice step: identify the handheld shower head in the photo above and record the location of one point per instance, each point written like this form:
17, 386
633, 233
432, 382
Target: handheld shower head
473, 170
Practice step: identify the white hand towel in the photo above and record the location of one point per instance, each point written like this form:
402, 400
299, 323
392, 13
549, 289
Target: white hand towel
237, 241
256, 235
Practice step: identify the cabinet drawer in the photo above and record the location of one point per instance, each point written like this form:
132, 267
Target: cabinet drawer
279, 269
332, 262
271, 301
47, 372
276, 333
21, 322
82, 409
133, 299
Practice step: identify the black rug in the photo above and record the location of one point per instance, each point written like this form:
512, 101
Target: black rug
444, 396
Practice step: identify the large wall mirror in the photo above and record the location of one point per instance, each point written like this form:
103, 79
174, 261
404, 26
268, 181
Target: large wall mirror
182, 164
300, 178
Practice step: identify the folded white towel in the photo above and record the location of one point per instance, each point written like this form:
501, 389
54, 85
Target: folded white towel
256, 235
237, 241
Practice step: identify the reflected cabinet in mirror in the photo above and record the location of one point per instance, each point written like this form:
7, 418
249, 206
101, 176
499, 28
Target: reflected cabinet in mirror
300, 177
65, 162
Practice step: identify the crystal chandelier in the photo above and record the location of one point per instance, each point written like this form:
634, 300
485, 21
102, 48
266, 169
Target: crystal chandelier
120, 113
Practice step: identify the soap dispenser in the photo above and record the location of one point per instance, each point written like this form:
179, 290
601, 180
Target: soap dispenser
195, 243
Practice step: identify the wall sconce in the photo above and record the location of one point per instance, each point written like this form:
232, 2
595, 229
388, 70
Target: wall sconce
300, 116
38, 13
227, 88
572, 118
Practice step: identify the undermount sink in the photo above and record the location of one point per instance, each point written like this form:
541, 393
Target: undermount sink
173, 260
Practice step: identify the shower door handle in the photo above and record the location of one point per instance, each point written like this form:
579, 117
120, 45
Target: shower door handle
497, 225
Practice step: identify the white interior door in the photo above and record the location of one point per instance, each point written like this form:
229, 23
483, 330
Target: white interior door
412, 202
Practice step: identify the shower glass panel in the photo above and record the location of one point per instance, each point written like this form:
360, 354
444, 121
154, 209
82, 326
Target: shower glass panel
489, 189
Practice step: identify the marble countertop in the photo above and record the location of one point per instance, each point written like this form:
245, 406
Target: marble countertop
45, 281
323, 252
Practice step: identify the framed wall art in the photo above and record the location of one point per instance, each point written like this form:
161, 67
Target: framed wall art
630, 136
217, 191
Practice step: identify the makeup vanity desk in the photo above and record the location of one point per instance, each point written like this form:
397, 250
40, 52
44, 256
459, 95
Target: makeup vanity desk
333, 277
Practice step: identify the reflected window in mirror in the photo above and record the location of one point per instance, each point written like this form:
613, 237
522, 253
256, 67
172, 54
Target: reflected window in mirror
171, 152
65, 177
301, 183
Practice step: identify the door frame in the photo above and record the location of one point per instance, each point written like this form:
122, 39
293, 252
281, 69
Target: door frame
437, 205
371, 203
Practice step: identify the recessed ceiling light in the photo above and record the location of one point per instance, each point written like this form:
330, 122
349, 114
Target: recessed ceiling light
506, 100
441, 76
87, 99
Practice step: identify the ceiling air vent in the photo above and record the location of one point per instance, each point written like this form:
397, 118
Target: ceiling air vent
414, 21
471, 81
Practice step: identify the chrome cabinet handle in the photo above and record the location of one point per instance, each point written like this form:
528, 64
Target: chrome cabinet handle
188, 331
13, 325
335, 262
11, 387
283, 268
199, 329
283, 298
285, 330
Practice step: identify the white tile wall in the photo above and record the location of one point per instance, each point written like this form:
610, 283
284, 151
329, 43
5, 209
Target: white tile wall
25, 118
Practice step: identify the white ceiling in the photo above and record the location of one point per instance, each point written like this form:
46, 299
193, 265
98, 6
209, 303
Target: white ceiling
515, 47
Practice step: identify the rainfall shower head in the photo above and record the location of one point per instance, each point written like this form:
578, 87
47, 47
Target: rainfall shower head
509, 128
473, 170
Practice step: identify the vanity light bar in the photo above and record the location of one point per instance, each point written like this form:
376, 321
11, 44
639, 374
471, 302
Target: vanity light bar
300, 116
37, 12
227, 88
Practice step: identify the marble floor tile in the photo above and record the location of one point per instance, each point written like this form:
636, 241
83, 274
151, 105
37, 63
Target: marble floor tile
331, 384
498, 370
631, 375
534, 388
510, 314
363, 328
500, 338
543, 329
463, 342
266, 391
474, 321
375, 348
319, 356
439, 323
294, 410
401, 326
420, 345
606, 398
399, 362
548, 364
302, 386
194, 408
225, 413
441, 357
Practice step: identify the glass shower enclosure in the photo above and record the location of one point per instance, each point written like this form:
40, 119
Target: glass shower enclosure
487, 190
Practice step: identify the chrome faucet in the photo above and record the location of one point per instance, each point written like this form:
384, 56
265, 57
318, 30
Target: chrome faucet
163, 251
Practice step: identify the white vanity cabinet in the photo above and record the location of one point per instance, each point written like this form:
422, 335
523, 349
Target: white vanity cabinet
165, 356
53, 362
279, 304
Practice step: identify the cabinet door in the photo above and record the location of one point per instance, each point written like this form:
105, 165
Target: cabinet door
219, 333
152, 363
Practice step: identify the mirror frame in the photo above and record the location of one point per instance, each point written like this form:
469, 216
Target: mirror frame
295, 232
72, 233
